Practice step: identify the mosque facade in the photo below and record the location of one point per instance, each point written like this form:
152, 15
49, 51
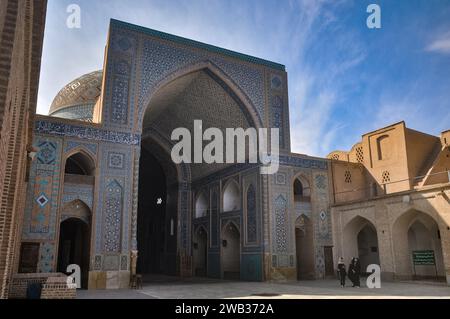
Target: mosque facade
104, 193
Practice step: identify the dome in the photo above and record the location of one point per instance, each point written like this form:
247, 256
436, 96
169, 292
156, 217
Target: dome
77, 99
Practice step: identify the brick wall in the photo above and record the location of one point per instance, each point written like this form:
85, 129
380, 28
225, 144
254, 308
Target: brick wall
54, 286
57, 288
22, 29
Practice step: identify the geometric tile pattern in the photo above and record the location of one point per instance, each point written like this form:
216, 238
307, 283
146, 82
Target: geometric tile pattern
161, 59
46, 154
115, 160
277, 106
112, 217
251, 215
321, 181
275, 82
98, 262
281, 224
43, 190
42, 200
280, 179
120, 100
123, 262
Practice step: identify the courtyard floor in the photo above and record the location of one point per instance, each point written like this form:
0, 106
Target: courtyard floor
177, 288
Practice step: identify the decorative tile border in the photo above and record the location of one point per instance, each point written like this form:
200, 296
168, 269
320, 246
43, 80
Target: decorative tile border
87, 133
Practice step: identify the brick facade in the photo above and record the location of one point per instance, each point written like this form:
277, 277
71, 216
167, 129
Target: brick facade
21, 37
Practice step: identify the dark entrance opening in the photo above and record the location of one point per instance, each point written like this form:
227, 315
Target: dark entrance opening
200, 252
74, 247
156, 230
304, 248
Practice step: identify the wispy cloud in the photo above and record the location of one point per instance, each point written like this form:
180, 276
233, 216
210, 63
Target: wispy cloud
441, 44
316, 88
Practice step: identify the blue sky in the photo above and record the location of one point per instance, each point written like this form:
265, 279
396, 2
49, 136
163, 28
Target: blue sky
344, 79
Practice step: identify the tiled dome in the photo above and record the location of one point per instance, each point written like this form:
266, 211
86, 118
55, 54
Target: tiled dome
77, 99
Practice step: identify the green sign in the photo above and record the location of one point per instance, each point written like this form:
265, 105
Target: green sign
423, 257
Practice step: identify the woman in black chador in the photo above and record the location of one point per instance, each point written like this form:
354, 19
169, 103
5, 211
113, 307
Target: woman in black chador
341, 271
354, 271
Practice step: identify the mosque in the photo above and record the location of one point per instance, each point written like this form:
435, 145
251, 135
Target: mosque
103, 192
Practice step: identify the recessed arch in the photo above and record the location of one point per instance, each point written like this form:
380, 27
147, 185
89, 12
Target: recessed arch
231, 250
304, 247
417, 230
301, 188
200, 251
383, 147
76, 209
360, 239
79, 162
231, 196
74, 243
201, 205
219, 76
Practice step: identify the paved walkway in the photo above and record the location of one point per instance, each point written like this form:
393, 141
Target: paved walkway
176, 288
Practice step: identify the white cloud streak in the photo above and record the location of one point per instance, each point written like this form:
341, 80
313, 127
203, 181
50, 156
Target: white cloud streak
441, 44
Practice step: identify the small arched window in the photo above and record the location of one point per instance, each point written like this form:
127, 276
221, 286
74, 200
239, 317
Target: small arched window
231, 198
302, 192
201, 206
79, 164
298, 188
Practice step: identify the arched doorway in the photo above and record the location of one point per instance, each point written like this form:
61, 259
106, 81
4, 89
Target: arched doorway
76, 217
200, 252
157, 214
361, 240
180, 101
231, 252
417, 232
74, 247
304, 248
368, 247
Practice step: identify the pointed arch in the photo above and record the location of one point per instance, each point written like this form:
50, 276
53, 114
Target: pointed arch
416, 230
360, 239
216, 74
301, 188
231, 223
231, 199
79, 162
201, 205
231, 250
76, 208
304, 247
